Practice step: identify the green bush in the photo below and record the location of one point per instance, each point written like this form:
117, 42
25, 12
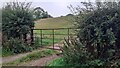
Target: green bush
97, 42
75, 54
96, 62
59, 63
17, 19
99, 30
6, 52
16, 46
72, 52
56, 62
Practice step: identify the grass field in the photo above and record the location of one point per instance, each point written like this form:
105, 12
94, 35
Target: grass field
51, 23
59, 22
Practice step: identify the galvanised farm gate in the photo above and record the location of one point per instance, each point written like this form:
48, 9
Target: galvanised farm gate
52, 36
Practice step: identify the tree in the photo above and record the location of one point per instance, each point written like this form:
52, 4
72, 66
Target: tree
39, 13
69, 15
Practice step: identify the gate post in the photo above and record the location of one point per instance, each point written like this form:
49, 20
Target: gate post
32, 39
53, 38
68, 34
41, 36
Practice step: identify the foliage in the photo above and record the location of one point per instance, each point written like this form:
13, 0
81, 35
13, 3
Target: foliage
59, 63
69, 15
71, 50
39, 13
17, 19
75, 53
6, 52
100, 30
16, 46
56, 62
96, 62
97, 40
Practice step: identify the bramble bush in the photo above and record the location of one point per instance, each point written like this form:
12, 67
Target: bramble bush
98, 39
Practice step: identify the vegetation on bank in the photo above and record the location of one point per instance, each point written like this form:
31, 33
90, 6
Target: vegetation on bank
56, 62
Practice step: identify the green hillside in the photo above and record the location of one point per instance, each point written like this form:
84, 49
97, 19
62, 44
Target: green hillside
59, 22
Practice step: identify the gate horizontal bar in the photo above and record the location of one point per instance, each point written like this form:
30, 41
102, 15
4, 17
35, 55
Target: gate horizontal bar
55, 28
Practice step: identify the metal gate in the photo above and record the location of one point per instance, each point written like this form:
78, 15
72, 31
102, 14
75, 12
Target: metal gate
52, 36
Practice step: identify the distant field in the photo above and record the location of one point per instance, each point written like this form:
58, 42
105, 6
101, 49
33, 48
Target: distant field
49, 23
59, 22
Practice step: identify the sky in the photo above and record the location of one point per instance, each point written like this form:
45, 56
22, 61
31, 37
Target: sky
55, 8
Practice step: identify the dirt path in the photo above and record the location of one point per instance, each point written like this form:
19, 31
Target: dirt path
14, 57
40, 62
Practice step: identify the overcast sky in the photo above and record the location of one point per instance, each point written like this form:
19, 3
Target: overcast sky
54, 7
